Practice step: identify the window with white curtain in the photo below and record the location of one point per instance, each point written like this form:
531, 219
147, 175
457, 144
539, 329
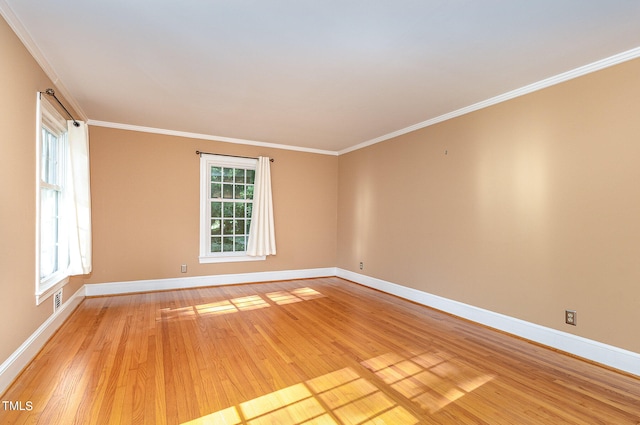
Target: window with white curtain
226, 207
53, 248
63, 199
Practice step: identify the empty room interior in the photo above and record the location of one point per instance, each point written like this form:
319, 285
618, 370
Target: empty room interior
320, 212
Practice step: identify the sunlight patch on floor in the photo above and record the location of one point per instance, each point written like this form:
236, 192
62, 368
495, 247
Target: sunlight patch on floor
283, 297
293, 296
432, 380
252, 302
337, 398
234, 305
220, 307
307, 293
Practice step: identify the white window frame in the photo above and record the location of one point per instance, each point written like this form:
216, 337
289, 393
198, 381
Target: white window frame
48, 117
206, 162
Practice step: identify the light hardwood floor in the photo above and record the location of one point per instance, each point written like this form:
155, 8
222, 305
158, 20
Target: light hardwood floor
315, 351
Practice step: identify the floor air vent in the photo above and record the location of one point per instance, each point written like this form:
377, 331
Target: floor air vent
57, 300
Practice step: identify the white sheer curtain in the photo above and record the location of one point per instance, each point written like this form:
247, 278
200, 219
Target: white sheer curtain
262, 239
79, 199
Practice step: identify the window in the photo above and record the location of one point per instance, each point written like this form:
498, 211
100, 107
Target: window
226, 206
52, 154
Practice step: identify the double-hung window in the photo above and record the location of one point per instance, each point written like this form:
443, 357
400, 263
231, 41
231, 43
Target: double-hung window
53, 251
226, 206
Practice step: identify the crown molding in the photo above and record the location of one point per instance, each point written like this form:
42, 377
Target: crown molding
25, 37
23, 34
207, 137
548, 82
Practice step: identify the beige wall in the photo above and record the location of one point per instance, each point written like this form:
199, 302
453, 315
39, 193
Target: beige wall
534, 208
20, 79
145, 200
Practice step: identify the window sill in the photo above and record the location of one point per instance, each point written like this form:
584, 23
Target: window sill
229, 258
49, 286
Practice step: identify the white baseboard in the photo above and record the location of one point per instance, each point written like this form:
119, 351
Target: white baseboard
608, 355
115, 288
20, 358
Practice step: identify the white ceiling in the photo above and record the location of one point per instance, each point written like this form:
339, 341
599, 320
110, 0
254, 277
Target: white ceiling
326, 75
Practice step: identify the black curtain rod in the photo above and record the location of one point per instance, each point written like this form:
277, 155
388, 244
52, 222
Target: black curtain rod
232, 156
52, 93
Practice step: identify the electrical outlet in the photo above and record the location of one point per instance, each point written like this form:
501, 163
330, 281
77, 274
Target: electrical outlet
183, 268
571, 317
361, 265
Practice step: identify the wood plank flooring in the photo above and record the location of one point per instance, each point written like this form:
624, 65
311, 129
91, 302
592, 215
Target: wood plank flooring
314, 351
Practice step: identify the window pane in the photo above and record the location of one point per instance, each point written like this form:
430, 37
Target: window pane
216, 244
227, 228
227, 244
239, 175
216, 174
44, 171
239, 191
216, 209
48, 232
249, 209
227, 191
53, 160
227, 175
239, 228
228, 209
240, 243
216, 227
251, 176
248, 227
250, 192
49, 172
240, 209
216, 190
